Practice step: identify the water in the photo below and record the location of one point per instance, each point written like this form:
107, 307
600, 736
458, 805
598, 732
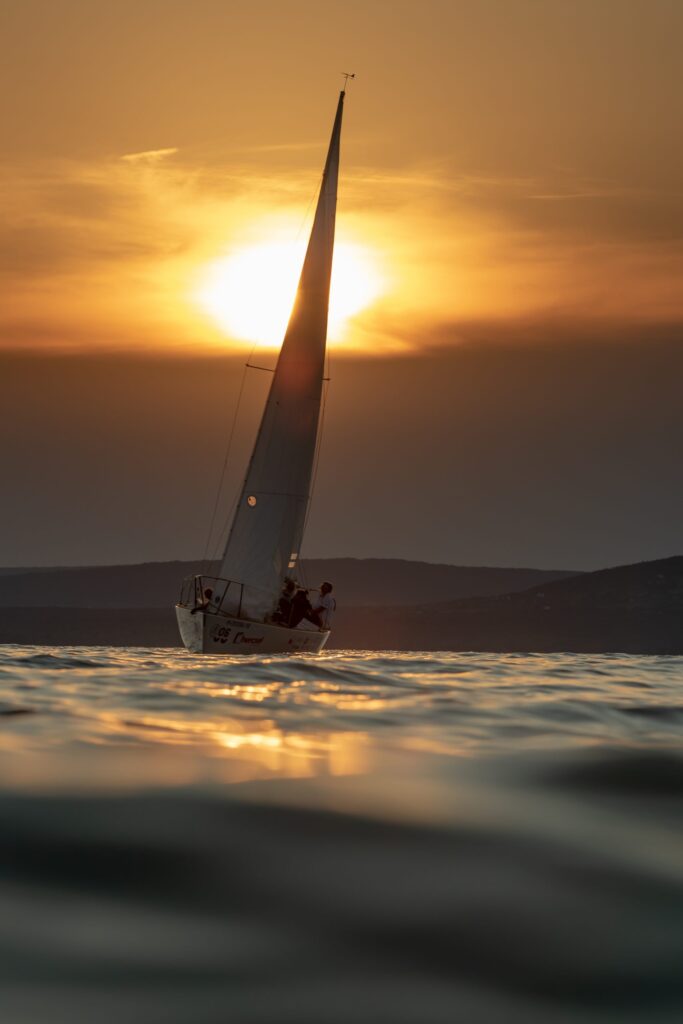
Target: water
352, 837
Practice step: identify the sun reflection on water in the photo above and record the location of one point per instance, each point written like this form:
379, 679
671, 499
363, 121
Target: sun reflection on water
162, 718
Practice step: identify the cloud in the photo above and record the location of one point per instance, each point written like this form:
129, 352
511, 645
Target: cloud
67, 217
564, 205
108, 249
564, 329
149, 155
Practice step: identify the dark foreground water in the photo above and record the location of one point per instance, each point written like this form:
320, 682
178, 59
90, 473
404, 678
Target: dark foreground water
373, 838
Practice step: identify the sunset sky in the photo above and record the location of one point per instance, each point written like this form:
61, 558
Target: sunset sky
507, 339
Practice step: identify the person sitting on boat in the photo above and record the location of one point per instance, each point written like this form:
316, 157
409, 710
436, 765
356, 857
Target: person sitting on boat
301, 608
204, 602
324, 607
283, 611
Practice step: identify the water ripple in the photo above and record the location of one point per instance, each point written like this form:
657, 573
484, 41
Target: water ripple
362, 836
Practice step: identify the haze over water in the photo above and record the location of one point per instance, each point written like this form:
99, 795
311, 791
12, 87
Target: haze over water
367, 837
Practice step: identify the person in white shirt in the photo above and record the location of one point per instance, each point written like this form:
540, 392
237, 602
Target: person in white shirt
323, 606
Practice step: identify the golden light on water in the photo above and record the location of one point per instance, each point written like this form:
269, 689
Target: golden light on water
250, 293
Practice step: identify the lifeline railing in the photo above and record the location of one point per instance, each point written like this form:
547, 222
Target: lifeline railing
193, 593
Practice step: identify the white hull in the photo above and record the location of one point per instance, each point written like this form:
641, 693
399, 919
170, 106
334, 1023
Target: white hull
205, 633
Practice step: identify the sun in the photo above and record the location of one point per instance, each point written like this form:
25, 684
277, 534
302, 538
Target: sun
250, 293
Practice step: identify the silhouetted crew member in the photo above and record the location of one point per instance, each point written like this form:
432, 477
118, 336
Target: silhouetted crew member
301, 608
324, 607
204, 602
284, 606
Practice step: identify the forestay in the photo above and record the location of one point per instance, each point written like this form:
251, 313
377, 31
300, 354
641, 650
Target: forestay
267, 528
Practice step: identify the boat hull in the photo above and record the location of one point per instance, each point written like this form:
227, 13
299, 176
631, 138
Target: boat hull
205, 633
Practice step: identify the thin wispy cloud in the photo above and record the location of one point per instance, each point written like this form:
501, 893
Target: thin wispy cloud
150, 155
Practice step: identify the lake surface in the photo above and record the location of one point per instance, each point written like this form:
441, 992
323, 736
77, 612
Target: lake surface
351, 837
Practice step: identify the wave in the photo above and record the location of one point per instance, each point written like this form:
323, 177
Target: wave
297, 901
362, 836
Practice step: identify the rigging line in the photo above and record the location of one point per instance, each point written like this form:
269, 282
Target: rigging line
222, 537
316, 460
226, 460
308, 210
224, 533
314, 194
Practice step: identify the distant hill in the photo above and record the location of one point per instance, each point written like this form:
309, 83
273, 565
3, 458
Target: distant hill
632, 609
357, 581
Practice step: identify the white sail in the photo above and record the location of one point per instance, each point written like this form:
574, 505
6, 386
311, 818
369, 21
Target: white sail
267, 529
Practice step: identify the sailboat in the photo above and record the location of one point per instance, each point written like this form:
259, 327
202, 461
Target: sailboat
234, 612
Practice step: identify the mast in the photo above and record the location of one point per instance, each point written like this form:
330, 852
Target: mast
267, 529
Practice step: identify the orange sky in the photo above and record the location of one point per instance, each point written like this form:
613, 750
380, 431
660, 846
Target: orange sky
501, 161
511, 170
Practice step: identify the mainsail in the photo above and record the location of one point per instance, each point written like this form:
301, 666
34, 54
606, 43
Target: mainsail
268, 525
